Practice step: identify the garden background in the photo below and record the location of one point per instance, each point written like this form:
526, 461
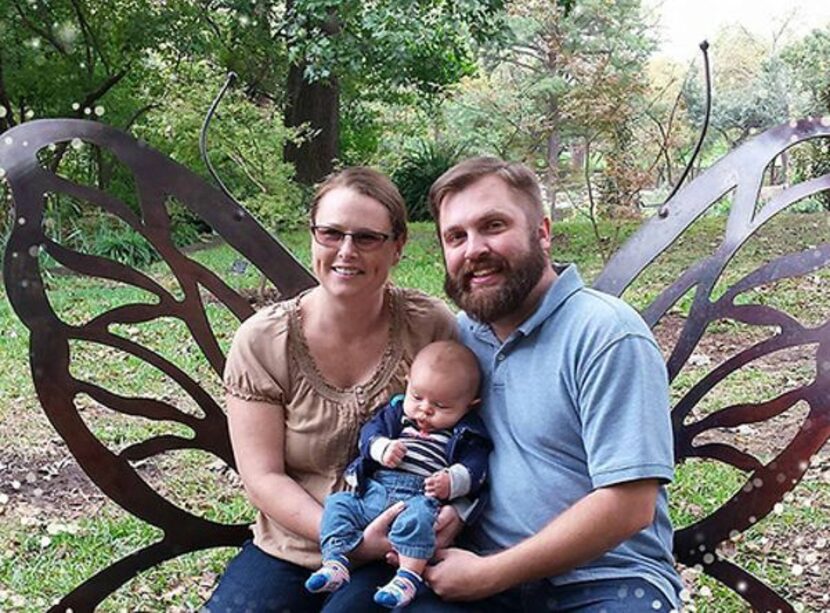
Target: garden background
577, 89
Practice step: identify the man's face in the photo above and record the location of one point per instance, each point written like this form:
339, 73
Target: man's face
494, 256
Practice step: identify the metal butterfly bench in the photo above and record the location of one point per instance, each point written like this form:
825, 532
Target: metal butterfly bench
158, 179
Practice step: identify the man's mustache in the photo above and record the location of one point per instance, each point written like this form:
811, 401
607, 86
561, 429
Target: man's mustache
483, 262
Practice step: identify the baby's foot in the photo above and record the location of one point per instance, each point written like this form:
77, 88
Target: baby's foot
399, 592
329, 577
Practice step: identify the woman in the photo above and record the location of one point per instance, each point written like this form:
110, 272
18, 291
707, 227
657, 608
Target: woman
302, 377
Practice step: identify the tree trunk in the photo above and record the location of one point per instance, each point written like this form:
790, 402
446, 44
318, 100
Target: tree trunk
554, 149
316, 105
552, 178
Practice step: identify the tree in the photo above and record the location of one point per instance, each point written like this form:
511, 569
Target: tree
71, 57
572, 77
139, 65
338, 52
808, 61
751, 86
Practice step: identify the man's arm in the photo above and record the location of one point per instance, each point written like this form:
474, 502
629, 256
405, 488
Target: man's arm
595, 524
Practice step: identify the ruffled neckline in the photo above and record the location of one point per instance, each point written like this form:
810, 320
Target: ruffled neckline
367, 389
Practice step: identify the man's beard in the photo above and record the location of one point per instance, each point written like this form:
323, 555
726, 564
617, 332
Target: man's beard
489, 304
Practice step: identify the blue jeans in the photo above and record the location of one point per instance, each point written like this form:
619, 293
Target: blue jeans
346, 515
255, 581
602, 596
607, 596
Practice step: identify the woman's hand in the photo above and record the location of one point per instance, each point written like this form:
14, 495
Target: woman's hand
375, 544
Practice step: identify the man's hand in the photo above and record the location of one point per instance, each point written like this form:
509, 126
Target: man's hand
460, 575
437, 485
393, 454
375, 544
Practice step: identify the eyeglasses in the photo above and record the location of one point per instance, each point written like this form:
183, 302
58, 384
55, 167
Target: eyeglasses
365, 240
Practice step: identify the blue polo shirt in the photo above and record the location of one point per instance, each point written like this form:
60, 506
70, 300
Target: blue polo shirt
575, 399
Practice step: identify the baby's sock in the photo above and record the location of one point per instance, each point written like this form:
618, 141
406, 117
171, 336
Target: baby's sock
330, 576
400, 591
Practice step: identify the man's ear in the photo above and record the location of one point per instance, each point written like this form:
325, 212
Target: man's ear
543, 233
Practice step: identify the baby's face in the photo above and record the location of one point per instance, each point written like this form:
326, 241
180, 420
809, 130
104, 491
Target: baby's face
435, 400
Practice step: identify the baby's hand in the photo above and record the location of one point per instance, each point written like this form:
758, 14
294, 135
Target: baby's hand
437, 485
393, 454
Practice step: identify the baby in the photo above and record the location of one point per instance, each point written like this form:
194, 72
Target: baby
423, 447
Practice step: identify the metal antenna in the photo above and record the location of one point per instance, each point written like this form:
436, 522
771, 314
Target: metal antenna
704, 47
203, 135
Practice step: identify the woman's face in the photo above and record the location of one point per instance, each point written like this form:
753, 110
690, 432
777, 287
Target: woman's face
347, 269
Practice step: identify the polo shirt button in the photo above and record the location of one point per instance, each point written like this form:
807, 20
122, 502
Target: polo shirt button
501, 357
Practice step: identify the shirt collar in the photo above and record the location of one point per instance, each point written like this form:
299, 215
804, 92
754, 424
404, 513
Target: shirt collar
567, 283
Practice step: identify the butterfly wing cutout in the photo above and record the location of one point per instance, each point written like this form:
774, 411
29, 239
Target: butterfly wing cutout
740, 173
157, 179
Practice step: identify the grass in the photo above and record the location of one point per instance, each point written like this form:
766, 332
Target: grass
48, 548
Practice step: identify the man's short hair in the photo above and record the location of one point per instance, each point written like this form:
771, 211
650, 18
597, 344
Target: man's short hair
518, 176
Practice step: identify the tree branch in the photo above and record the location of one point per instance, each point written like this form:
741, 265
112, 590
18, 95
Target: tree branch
90, 39
103, 88
135, 116
45, 33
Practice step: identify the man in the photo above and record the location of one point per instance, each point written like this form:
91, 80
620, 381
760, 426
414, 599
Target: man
575, 397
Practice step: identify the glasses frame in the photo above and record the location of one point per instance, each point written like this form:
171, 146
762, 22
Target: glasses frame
356, 235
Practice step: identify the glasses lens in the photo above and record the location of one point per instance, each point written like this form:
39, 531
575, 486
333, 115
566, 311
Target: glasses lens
365, 240
368, 240
331, 237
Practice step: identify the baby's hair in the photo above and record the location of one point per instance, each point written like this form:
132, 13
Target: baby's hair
452, 357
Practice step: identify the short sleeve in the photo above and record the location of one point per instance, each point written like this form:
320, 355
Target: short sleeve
624, 402
256, 366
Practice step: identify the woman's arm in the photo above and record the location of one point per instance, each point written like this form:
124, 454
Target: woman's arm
257, 431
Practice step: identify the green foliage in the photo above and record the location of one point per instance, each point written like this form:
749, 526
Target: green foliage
752, 87
123, 245
376, 48
361, 131
571, 79
72, 58
422, 164
807, 60
812, 159
808, 205
245, 143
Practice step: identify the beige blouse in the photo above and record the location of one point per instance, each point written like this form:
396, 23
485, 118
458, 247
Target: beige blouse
269, 361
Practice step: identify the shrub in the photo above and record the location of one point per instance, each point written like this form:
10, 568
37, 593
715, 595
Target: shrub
420, 167
122, 244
